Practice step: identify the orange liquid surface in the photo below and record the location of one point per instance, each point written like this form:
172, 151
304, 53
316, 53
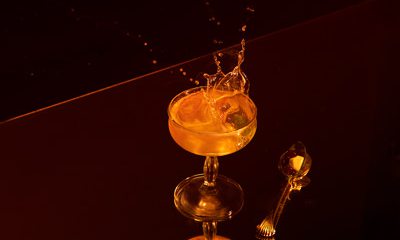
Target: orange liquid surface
213, 124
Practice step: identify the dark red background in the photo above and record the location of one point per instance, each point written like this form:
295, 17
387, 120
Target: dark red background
55, 50
103, 166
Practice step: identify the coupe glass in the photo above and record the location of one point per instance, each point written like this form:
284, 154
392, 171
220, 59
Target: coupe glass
210, 197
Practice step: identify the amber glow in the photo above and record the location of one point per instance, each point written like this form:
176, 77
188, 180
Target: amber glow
296, 162
215, 129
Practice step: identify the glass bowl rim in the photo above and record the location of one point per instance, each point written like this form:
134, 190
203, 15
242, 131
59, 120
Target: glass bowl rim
199, 88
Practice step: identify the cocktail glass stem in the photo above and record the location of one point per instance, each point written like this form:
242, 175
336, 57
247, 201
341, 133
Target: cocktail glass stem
210, 170
209, 230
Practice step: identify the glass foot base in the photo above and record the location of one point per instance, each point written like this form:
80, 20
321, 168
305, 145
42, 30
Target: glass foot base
203, 238
202, 203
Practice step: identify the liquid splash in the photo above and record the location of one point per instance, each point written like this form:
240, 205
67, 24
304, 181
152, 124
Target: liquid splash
221, 111
224, 94
233, 81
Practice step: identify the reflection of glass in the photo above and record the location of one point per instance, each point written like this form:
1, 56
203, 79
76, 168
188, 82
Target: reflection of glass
210, 123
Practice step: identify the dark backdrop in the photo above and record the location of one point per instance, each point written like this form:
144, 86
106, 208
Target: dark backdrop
56, 50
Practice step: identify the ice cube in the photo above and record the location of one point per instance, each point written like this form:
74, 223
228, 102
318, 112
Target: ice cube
231, 111
237, 119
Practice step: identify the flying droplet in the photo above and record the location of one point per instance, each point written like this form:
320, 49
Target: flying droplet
196, 82
216, 41
154, 61
184, 73
244, 27
250, 9
145, 43
218, 23
211, 19
191, 79
180, 69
